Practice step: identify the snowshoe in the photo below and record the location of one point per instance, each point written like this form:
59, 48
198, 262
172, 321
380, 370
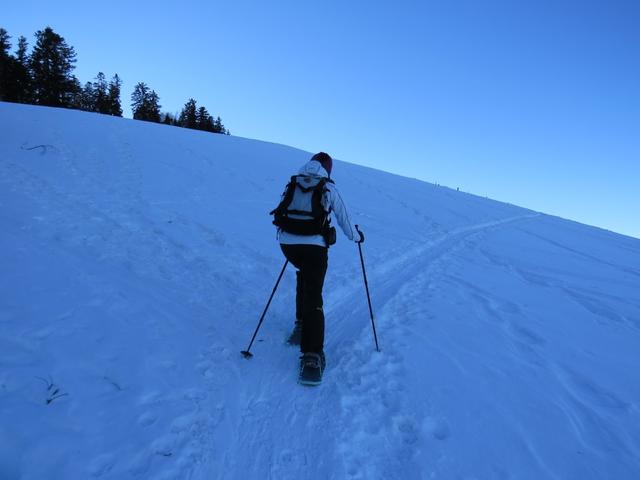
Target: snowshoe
311, 368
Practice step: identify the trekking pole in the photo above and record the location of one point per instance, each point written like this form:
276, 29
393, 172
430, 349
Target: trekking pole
247, 353
366, 286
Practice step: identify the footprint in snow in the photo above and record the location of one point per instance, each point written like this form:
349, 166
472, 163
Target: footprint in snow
437, 429
147, 419
102, 464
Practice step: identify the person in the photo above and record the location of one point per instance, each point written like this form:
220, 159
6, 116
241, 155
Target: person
308, 252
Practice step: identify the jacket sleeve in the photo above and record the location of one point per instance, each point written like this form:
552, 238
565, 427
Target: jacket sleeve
340, 211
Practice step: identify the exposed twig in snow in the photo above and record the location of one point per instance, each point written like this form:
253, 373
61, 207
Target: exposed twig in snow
53, 389
44, 148
117, 386
55, 397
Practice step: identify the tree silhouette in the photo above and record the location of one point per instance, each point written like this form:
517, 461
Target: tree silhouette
45, 77
14, 73
22, 76
145, 103
85, 100
101, 98
51, 64
113, 97
189, 115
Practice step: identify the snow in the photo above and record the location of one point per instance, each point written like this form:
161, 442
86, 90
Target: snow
137, 258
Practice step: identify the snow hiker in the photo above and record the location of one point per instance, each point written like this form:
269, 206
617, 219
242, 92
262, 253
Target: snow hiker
305, 234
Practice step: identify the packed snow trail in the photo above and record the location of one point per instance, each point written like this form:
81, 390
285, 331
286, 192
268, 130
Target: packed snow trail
364, 386
137, 260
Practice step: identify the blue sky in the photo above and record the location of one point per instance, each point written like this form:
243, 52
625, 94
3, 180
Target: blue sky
535, 103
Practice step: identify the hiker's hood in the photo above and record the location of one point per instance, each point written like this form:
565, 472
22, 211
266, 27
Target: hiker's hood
313, 168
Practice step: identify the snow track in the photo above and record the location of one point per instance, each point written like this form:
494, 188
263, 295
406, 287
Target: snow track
360, 418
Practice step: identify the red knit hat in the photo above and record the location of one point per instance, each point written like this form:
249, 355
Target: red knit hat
325, 160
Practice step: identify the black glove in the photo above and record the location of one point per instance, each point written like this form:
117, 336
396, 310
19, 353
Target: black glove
361, 237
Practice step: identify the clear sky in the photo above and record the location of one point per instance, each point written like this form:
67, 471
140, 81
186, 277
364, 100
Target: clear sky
532, 102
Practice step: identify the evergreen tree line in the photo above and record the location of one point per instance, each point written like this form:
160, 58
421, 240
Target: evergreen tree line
45, 77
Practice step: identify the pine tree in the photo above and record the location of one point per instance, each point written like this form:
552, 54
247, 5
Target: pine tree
14, 73
154, 107
218, 127
189, 115
6, 65
101, 95
168, 119
51, 64
204, 121
145, 104
114, 96
86, 99
5, 44
138, 100
75, 95
22, 75
21, 54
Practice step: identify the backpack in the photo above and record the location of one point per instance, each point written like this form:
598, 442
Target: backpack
310, 218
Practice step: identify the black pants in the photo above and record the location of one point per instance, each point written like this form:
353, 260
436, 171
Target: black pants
311, 262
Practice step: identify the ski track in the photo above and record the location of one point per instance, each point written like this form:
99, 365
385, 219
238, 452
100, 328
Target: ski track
376, 380
360, 407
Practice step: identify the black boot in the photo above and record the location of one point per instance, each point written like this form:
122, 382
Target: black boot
311, 368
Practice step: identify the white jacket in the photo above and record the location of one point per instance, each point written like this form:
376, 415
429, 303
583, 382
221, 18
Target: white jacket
331, 199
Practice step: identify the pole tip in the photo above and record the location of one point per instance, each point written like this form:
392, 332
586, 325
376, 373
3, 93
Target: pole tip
246, 354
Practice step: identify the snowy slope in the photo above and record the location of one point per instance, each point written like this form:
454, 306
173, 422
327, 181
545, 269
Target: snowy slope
136, 260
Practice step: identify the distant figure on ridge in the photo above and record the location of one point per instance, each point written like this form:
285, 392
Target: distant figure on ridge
305, 234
